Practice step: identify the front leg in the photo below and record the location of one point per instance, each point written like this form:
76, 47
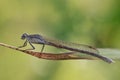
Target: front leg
25, 44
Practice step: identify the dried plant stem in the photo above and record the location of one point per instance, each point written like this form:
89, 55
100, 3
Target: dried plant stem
50, 56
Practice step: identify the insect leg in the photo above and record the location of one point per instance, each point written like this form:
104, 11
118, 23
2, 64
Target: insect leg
42, 48
31, 46
25, 44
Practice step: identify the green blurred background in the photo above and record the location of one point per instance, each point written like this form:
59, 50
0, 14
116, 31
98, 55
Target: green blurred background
92, 22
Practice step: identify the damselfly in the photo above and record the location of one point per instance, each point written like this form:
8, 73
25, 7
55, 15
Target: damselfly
38, 39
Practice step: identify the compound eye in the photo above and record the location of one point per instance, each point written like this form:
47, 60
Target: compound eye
23, 37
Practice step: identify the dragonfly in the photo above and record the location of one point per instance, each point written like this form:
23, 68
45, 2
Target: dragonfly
81, 48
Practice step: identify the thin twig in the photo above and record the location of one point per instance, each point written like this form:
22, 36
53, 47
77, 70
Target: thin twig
51, 56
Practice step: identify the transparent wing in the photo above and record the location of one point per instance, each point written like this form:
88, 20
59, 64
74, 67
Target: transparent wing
71, 46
